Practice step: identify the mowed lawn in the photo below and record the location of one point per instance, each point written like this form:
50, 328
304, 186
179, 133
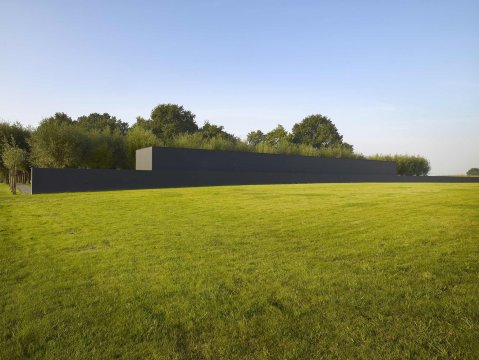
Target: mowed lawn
281, 271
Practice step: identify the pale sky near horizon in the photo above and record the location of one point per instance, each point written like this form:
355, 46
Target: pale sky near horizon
395, 77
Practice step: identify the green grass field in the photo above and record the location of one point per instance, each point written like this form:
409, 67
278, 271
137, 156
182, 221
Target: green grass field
290, 271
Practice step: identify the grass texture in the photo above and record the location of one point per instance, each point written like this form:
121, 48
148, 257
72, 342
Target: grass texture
385, 271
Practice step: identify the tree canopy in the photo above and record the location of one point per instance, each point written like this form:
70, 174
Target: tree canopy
101, 122
12, 155
17, 131
168, 120
57, 143
277, 135
12, 137
317, 131
473, 172
255, 137
210, 131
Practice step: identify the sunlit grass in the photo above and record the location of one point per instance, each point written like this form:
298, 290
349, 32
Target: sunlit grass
283, 271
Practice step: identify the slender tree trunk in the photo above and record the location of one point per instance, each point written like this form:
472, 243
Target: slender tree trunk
14, 182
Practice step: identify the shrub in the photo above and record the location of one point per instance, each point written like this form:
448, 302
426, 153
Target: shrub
410, 165
198, 141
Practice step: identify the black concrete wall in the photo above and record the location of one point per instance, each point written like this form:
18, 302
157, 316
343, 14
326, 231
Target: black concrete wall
176, 159
172, 167
77, 180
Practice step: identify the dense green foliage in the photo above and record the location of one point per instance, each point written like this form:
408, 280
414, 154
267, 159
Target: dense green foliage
343, 271
280, 141
58, 143
13, 136
15, 131
102, 122
317, 131
255, 137
197, 141
473, 172
210, 131
13, 157
168, 120
412, 165
277, 135
103, 141
138, 138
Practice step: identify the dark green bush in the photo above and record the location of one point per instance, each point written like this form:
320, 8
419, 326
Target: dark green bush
411, 165
473, 172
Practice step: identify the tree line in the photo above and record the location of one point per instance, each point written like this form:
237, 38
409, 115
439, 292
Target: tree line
103, 141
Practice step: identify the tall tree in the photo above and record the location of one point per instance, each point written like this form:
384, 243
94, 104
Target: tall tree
100, 122
255, 137
210, 131
318, 131
277, 135
16, 130
13, 156
168, 120
10, 134
58, 143
14, 159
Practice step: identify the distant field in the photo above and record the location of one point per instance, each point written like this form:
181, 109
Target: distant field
282, 271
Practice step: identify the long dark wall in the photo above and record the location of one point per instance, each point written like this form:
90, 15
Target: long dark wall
172, 167
77, 180
175, 159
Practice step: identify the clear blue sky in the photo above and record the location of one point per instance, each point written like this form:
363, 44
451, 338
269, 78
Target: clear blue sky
394, 76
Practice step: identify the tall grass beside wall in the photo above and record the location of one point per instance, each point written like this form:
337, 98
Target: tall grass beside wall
197, 141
